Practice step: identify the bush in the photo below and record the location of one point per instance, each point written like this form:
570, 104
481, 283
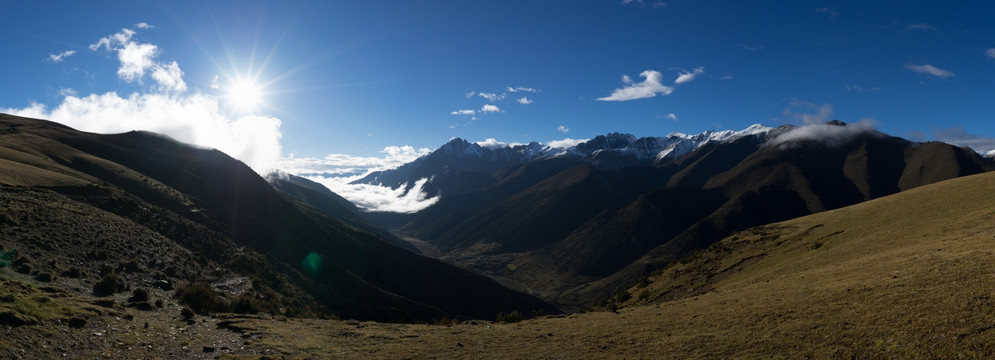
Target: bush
512, 317
139, 295
201, 298
244, 304
622, 296
108, 285
187, 314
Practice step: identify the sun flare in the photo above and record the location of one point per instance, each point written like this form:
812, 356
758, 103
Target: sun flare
244, 95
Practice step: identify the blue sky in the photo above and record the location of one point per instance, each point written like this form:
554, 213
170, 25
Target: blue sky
378, 82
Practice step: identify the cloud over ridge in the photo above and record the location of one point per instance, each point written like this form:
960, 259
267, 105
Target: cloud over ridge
166, 107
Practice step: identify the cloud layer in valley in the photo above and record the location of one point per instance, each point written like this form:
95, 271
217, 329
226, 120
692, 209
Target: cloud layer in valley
164, 105
337, 171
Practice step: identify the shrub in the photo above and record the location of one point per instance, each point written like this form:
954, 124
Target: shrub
139, 295
108, 285
512, 317
187, 314
244, 304
201, 298
622, 296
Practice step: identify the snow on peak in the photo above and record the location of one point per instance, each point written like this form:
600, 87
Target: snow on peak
673, 145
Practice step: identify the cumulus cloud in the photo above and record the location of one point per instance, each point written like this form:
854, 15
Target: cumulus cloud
649, 87
930, 70
520, 88
490, 108
463, 112
61, 56
524, 100
807, 113
562, 129
492, 143
566, 143
137, 59
192, 118
67, 92
166, 108
825, 134
686, 76
990, 53
170, 77
492, 96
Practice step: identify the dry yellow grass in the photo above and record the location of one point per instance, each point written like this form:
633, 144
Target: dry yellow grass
906, 276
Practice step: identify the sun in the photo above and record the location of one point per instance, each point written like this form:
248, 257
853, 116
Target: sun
244, 95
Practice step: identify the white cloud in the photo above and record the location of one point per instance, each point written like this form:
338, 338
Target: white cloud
337, 171
860, 89
672, 116
958, 136
193, 118
565, 143
167, 108
524, 100
135, 60
143, 25
67, 92
470, 94
726, 77
520, 88
214, 83
492, 96
990, 53
930, 70
463, 112
686, 76
919, 26
337, 165
490, 108
112, 42
61, 56
650, 87
642, 3
380, 198
807, 113
492, 143
170, 77
832, 13
562, 129
750, 48
825, 134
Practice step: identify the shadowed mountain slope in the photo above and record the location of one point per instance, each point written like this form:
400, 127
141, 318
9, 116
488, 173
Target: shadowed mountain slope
348, 271
576, 236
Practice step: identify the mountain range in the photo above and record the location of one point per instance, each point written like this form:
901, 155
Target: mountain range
156, 211
574, 225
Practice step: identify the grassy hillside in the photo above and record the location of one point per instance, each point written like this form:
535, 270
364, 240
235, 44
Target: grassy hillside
904, 276
133, 204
